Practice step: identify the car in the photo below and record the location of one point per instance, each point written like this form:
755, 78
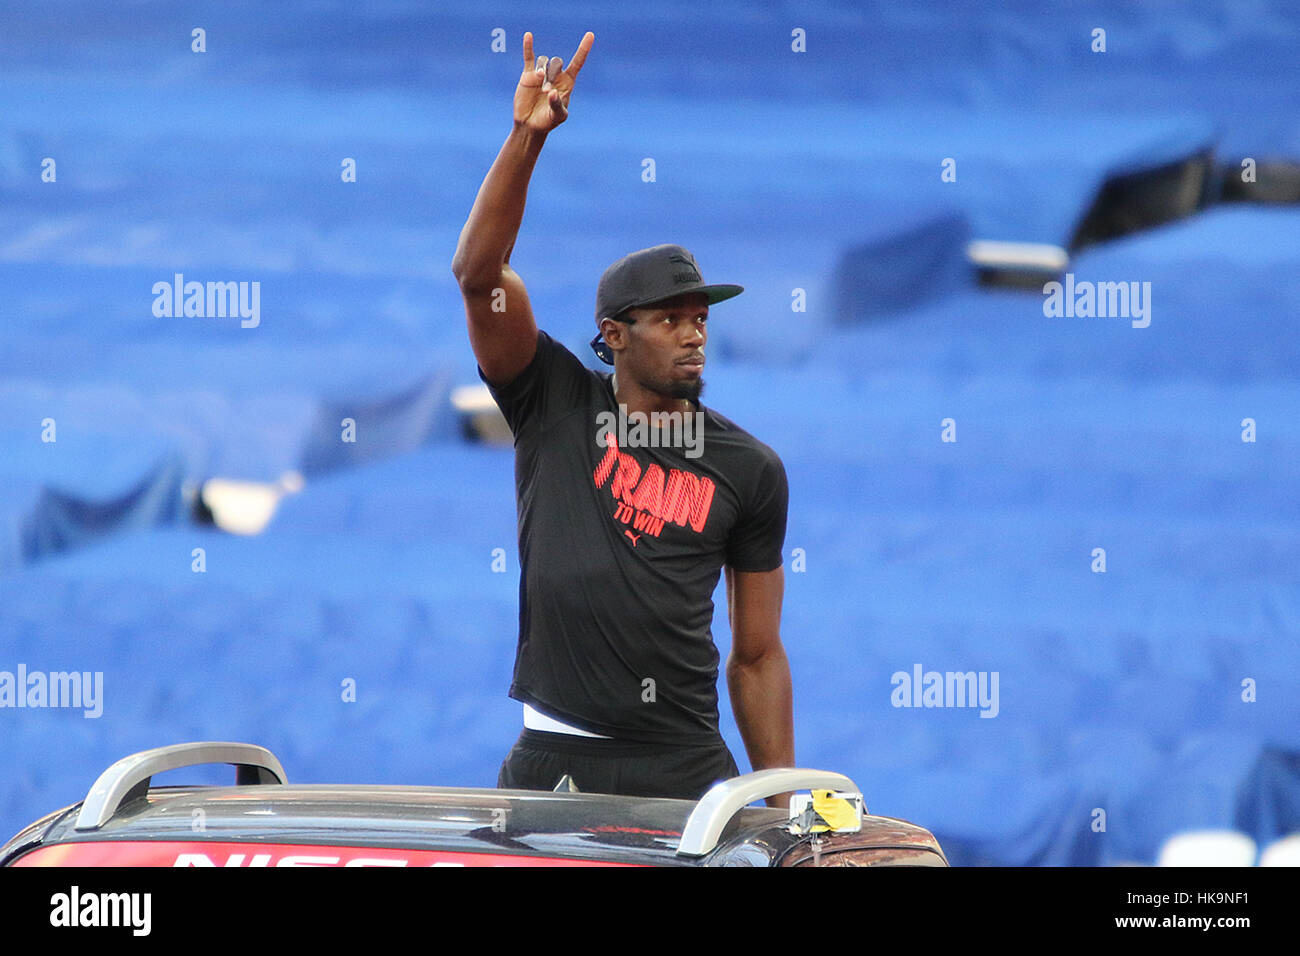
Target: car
263, 821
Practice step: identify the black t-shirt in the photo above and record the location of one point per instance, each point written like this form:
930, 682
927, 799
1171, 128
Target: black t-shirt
621, 549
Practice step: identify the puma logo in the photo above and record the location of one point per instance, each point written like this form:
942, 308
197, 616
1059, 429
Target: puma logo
683, 276
634, 537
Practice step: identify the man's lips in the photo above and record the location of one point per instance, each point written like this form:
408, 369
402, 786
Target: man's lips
693, 360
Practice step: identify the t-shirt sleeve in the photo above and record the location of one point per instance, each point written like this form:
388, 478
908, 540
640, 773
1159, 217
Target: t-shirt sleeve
553, 383
756, 541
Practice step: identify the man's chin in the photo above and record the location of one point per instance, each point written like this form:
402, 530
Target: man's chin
689, 390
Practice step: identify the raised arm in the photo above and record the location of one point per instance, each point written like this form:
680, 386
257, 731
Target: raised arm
502, 330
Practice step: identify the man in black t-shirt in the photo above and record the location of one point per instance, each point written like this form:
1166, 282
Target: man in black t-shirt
632, 498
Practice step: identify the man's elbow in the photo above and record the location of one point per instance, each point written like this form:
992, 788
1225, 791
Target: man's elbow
475, 283
461, 269
751, 653
470, 267
476, 279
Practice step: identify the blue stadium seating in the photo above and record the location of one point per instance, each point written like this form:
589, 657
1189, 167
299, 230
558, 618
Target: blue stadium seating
781, 171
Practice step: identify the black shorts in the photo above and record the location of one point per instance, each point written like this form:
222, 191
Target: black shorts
539, 759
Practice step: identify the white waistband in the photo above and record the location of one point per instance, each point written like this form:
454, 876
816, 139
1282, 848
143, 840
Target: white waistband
536, 720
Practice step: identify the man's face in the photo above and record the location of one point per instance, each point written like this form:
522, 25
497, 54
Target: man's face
665, 345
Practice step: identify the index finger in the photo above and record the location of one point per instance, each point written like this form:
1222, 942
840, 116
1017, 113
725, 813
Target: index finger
580, 57
528, 52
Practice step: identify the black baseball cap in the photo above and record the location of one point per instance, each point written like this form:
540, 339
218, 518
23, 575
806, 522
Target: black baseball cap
647, 276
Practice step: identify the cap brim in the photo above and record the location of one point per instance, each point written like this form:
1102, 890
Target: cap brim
714, 293
717, 293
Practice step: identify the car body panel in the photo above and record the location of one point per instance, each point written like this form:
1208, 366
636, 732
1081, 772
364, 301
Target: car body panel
281, 824
202, 853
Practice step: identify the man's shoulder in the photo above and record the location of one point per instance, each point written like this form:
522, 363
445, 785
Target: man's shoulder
740, 438
554, 384
552, 358
562, 354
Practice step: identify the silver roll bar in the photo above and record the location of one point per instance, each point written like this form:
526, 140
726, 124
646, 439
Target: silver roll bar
716, 808
129, 777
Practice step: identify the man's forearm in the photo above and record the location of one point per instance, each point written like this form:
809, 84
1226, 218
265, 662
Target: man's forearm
489, 233
762, 700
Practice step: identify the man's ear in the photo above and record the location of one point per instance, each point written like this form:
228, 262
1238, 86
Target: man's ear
615, 333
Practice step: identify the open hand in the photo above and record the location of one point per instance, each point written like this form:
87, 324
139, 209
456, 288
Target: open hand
542, 97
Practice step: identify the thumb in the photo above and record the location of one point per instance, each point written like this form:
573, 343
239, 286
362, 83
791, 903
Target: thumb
557, 106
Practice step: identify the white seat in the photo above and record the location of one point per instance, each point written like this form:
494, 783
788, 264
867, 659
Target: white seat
1283, 852
1207, 848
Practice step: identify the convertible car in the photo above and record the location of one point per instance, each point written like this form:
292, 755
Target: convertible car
264, 821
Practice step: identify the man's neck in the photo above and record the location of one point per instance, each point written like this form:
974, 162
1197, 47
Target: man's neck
637, 399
